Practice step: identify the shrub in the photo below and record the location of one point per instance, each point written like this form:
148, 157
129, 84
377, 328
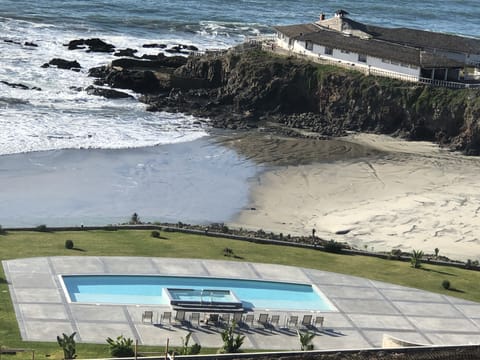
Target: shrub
69, 244
305, 339
446, 284
67, 343
2, 230
189, 350
416, 259
121, 346
42, 228
333, 247
231, 342
155, 234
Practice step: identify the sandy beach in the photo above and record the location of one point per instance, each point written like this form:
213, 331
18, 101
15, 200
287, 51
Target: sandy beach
373, 192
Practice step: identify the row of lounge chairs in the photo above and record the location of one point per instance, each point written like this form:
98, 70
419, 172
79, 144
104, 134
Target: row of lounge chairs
268, 321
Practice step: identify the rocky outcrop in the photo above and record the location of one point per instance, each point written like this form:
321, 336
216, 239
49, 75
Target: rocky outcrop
92, 45
107, 93
19, 86
250, 88
63, 64
139, 75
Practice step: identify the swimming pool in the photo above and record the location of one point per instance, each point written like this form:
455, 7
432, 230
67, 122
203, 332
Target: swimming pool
152, 290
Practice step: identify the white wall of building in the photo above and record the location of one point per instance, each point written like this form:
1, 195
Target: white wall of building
352, 58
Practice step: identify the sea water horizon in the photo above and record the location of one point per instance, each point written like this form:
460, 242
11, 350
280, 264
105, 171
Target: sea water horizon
70, 158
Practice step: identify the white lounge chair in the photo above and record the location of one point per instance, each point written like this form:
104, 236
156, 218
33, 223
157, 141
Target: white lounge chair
249, 319
195, 318
180, 316
147, 316
274, 321
292, 321
263, 320
319, 322
166, 317
307, 321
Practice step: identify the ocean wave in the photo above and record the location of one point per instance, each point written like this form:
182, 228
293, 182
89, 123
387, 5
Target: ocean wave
61, 129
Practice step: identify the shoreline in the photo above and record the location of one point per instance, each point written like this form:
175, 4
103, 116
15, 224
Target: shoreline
172, 182
373, 192
397, 195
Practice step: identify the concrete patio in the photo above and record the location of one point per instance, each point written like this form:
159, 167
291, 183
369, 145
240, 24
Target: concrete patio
366, 309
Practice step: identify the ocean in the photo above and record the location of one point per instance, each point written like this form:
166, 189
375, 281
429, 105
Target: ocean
50, 113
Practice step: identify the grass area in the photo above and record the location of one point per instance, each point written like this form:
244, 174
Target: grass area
139, 243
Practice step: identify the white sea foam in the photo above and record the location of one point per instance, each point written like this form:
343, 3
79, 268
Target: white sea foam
62, 115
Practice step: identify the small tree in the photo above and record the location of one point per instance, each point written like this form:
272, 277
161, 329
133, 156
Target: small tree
416, 259
155, 234
437, 250
67, 343
135, 219
231, 343
189, 350
69, 244
121, 346
305, 340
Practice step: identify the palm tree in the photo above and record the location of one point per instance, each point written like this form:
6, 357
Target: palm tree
416, 259
306, 340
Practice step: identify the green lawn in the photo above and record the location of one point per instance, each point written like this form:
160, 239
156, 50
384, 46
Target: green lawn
140, 243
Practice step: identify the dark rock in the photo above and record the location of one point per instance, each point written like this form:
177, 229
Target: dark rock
94, 45
192, 48
64, 64
99, 72
126, 52
12, 42
138, 81
20, 86
159, 56
159, 46
107, 93
76, 44
28, 43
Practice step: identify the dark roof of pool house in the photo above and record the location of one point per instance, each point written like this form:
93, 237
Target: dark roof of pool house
411, 46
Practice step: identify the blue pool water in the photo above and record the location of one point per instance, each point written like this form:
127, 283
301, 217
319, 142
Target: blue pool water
150, 290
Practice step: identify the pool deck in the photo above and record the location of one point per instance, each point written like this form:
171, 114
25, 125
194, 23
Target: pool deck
366, 309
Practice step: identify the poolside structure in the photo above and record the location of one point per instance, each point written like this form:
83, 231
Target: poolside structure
366, 310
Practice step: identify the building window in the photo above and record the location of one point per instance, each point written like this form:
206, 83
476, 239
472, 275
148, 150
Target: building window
362, 58
345, 51
328, 51
308, 45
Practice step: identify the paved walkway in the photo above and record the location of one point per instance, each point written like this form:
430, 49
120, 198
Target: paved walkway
366, 309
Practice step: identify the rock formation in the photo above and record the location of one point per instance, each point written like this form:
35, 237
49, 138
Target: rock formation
250, 88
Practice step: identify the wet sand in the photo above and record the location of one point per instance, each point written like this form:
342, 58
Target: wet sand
192, 182
380, 193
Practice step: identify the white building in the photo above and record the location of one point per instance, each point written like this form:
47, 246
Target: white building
412, 54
